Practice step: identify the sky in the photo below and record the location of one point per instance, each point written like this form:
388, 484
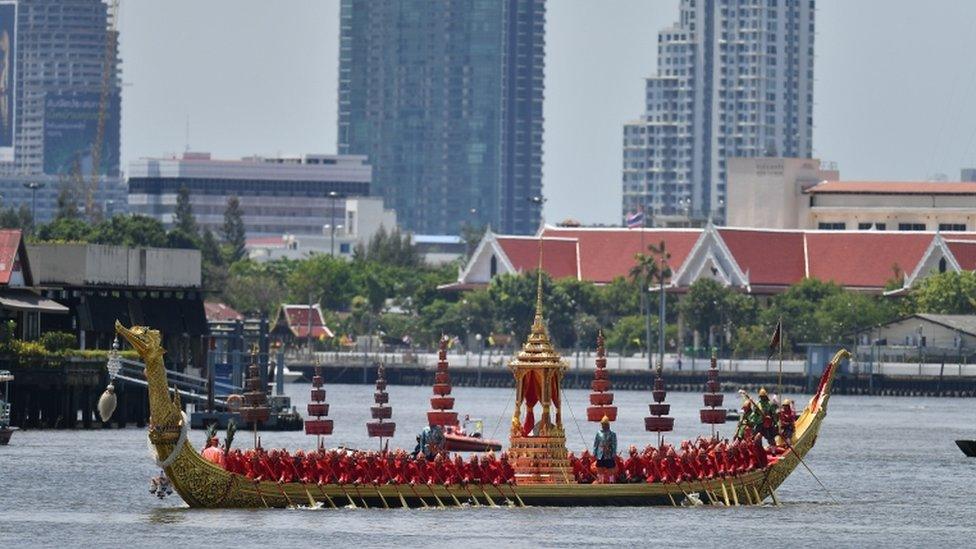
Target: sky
895, 82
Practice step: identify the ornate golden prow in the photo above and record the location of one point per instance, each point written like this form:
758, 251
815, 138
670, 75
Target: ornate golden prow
164, 412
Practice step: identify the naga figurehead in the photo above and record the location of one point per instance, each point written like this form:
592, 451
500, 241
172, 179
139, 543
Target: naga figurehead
164, 412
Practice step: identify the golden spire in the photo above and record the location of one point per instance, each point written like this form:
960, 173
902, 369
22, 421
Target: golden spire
538, 291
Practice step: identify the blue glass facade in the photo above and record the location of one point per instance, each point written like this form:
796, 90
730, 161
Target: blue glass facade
445, 98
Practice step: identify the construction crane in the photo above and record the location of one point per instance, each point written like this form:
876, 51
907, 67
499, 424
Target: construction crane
108, 76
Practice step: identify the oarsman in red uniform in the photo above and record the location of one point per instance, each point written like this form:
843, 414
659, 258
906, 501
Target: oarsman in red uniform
574, 464
652, 466
633, 466
705, 465
508, 472
586, 468
474, 471
213, 453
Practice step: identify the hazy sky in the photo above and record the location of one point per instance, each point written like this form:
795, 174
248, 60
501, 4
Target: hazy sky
895, 92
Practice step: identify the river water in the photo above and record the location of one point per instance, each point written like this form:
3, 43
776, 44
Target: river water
894, 475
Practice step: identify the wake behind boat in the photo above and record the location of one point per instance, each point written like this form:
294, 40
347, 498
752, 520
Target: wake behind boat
537, 470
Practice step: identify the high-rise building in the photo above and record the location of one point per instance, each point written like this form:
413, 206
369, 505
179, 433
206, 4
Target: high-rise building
734, 79
59, 68
59, 88
445, 99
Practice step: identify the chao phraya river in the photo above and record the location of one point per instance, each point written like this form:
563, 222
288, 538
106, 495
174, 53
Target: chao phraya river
891, 463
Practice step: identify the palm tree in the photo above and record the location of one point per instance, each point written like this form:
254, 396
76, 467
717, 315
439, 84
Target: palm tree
648, 269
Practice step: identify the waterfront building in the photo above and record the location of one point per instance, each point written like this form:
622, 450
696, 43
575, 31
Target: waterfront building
311, 194
100, 284
760, 262
734, 79
445, 98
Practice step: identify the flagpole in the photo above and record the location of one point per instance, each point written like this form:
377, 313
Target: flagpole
779, 382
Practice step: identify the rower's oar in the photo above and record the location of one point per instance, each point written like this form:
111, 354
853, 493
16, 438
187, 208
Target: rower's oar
311, 500
488, 497
456, 501
403, 500
504, 497
437, 499
673, 504
284, 493
327, 498
360, 496
257, 487
471, 495
517, 496
756, 492
383, 499
725, 493
422, 502
346, 493
735, 496
745, 489
772, 494
807, 467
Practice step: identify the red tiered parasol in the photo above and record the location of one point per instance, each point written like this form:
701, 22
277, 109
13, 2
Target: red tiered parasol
714, 414
255, 409
601, 398
318, 409
382, 411
658, 422
441, 413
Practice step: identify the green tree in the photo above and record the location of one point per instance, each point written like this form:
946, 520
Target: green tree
797, 307
233, 230
840, 316
393, 248
709, 304
325, 278
67, 201
19, 218
472, 236
65, 229
130, 230
185, 221
946, 293
627, 334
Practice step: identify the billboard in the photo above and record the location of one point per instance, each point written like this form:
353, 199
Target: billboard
8, 78
70, 131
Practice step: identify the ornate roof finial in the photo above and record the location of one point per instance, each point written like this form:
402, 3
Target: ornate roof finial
538, 289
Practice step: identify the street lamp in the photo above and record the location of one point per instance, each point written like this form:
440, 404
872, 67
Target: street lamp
334, 196
33, 186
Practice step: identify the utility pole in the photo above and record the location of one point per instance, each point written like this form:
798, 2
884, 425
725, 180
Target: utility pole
33, 186
334, 196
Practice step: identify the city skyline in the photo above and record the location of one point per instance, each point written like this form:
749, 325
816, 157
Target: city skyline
888, 107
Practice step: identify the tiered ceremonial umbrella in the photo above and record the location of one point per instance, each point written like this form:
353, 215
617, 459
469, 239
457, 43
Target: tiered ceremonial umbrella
318, 409
381, 411
255, 408
713, 414
441, 413
659, 422
601, 398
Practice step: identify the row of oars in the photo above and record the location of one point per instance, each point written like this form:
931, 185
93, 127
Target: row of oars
513, 499
729, 495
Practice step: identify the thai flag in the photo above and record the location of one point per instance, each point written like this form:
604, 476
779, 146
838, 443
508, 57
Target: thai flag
635, 219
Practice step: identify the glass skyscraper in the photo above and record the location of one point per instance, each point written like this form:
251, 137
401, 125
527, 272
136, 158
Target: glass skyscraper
734, 79
445, 99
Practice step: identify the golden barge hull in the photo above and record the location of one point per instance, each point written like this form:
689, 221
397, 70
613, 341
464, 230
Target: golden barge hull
203, 484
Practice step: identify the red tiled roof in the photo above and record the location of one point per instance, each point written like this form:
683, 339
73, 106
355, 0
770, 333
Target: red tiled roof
964, 251
607, 253
894, 187
771, 258
558, 255
265, 242
9, 245
864, 259
218, 312
297, 318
